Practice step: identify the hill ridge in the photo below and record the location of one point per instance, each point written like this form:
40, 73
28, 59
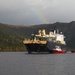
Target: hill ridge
11, 36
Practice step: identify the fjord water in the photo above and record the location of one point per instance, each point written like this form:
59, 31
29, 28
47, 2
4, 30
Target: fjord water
21, 63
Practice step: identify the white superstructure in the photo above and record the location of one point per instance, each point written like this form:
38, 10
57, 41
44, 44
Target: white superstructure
53, 36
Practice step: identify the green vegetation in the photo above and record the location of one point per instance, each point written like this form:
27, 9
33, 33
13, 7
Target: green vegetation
11, 37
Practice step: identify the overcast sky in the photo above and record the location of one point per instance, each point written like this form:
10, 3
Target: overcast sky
31, 12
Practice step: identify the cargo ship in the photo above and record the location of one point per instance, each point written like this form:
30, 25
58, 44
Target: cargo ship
41, 42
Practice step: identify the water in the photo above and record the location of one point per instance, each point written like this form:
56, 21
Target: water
21, 63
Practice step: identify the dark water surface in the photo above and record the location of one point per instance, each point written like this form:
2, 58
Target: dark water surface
21, 63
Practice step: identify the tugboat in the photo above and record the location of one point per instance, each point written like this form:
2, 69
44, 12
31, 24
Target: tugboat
58, 50
72, 51
53, 42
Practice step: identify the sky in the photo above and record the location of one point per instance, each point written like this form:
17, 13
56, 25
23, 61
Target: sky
33, 12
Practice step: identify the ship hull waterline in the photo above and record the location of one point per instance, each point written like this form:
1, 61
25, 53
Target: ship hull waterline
41, 48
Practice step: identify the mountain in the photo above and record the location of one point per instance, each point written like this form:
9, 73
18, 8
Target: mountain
11, 36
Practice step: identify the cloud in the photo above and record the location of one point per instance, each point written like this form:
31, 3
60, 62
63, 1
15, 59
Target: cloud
43, 4
28, 12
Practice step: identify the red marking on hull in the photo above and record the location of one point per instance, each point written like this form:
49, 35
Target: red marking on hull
59, 52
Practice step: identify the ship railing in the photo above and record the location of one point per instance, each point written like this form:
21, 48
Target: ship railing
32, 41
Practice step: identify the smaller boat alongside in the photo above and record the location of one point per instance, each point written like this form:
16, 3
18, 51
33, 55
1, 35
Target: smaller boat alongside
58, 50
73, 51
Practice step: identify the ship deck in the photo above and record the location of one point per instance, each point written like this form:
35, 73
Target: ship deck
33, 42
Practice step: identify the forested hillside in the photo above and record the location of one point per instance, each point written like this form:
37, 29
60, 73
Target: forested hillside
12, 36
